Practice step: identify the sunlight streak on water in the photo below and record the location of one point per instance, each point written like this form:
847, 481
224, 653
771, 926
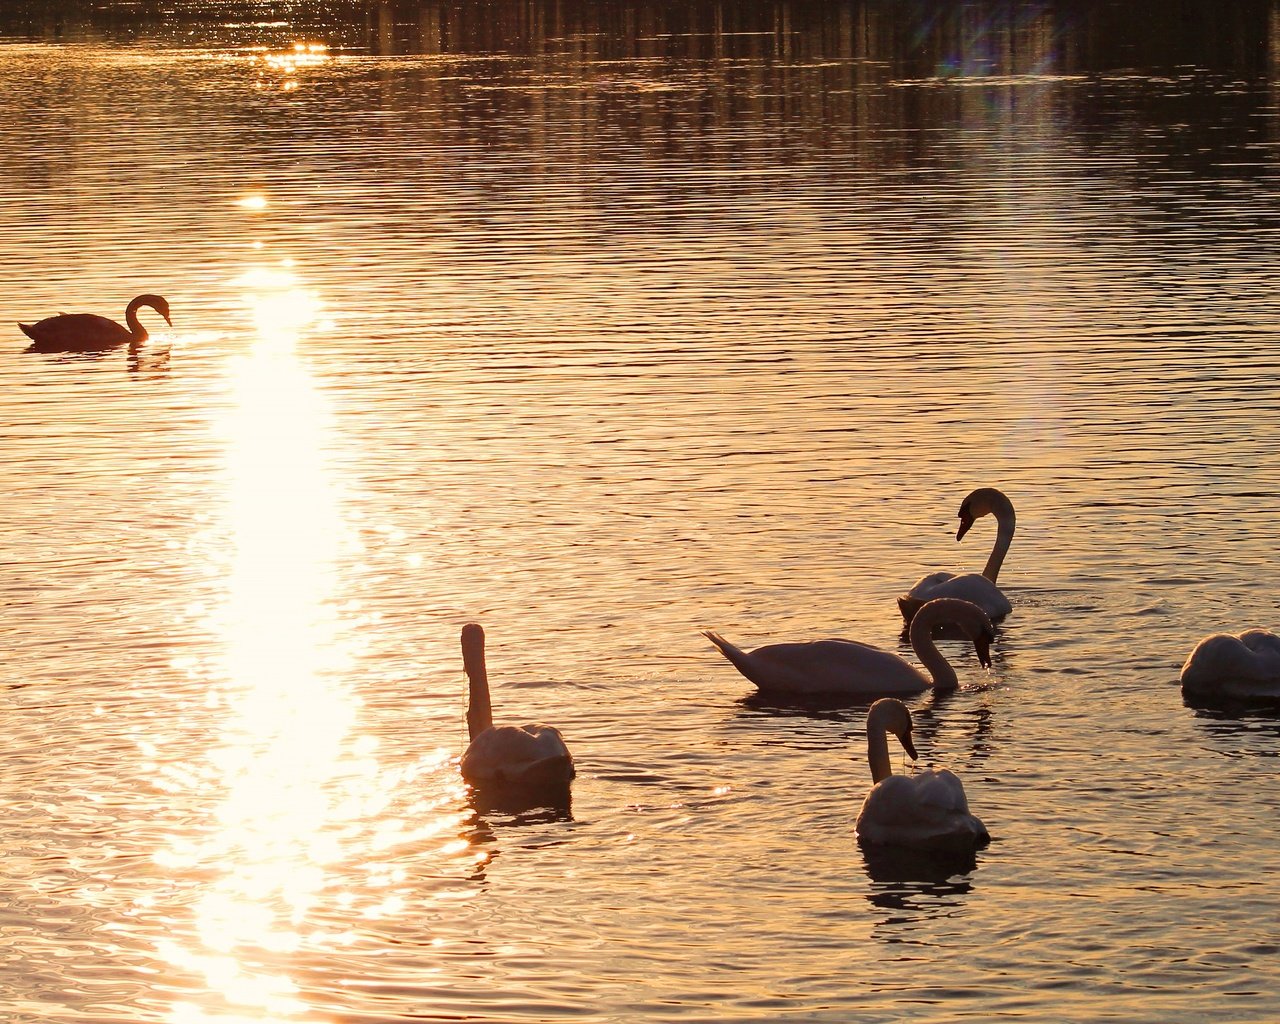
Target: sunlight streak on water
290, 709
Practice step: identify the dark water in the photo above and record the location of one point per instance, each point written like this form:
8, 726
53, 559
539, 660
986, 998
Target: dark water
601, 324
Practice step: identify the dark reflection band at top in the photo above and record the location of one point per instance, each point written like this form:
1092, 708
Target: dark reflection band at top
914, 38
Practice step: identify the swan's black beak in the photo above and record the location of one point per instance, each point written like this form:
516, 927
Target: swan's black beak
982, 645
909, 747
965, 523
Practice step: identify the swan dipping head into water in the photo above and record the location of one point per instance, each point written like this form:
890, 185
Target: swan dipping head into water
980, 588
528, 756
88, 332
926, 811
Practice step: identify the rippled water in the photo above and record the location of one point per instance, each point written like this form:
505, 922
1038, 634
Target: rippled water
602, 325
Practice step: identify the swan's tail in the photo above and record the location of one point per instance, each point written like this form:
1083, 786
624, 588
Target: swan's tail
735, 654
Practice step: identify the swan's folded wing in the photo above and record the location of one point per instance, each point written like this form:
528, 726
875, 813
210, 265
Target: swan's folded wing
925, 811
1221, 660
509, 752
940, 790
925, 586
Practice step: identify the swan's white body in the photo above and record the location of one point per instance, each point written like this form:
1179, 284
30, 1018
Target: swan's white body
1235, 667
853, 668
979, 588
526, 756
926, 811
88, 332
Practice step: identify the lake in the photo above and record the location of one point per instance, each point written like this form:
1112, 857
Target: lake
601, 325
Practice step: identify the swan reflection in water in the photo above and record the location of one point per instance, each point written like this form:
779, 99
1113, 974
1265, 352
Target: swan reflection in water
916, 887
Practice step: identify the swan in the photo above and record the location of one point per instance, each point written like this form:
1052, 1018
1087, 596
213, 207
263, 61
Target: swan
1235, 667
925, 811
88, 332
980, 588
853, 668
507, 755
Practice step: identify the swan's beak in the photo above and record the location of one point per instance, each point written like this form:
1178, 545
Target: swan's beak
909, 747
965, 523
983, 646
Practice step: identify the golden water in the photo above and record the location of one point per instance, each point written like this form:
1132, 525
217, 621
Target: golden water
601, 326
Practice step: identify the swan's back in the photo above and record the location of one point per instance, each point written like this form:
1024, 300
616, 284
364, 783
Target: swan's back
926, 811
528, 755
1247, 665
75, 332
971, 586
823, 667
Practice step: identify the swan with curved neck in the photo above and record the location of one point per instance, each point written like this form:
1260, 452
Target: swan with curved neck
1241, 667
857, 669
980, 588
88, 332
507, 755
924, 811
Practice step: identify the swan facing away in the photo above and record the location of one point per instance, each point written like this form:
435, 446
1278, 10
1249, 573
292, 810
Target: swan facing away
857, 669
529, 756
926, 811
980, 588
88, 332
1235, 667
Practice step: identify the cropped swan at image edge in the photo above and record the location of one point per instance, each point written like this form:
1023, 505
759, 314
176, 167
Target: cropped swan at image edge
853, 668
1229, 667
980, 588
926, 811
88, 332
531, 756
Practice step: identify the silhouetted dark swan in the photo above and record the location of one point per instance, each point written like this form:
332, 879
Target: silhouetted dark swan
924, 811
858, 669
980, 588
1235, 667
88, 332
526, 756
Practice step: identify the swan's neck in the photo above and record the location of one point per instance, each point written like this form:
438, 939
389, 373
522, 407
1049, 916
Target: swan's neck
1004, 537
878, 754
939, 669
133, 323
479, 709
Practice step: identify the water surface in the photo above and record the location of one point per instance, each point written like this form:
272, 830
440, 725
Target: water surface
602, 325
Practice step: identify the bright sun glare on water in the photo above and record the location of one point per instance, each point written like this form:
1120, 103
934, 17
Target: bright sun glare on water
299, 791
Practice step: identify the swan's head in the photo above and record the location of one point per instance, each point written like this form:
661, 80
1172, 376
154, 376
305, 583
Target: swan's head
978, 628
890, 715
157, 302
982, 502
473, 648
982, 647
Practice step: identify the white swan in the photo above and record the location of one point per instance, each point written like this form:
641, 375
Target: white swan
508, 755
853, 668
980, 588
1235, 667
925, 811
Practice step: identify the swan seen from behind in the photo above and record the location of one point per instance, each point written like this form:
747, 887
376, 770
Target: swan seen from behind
527, 756
980, 588
926, 811
851, 668
1242, 667
88, 332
